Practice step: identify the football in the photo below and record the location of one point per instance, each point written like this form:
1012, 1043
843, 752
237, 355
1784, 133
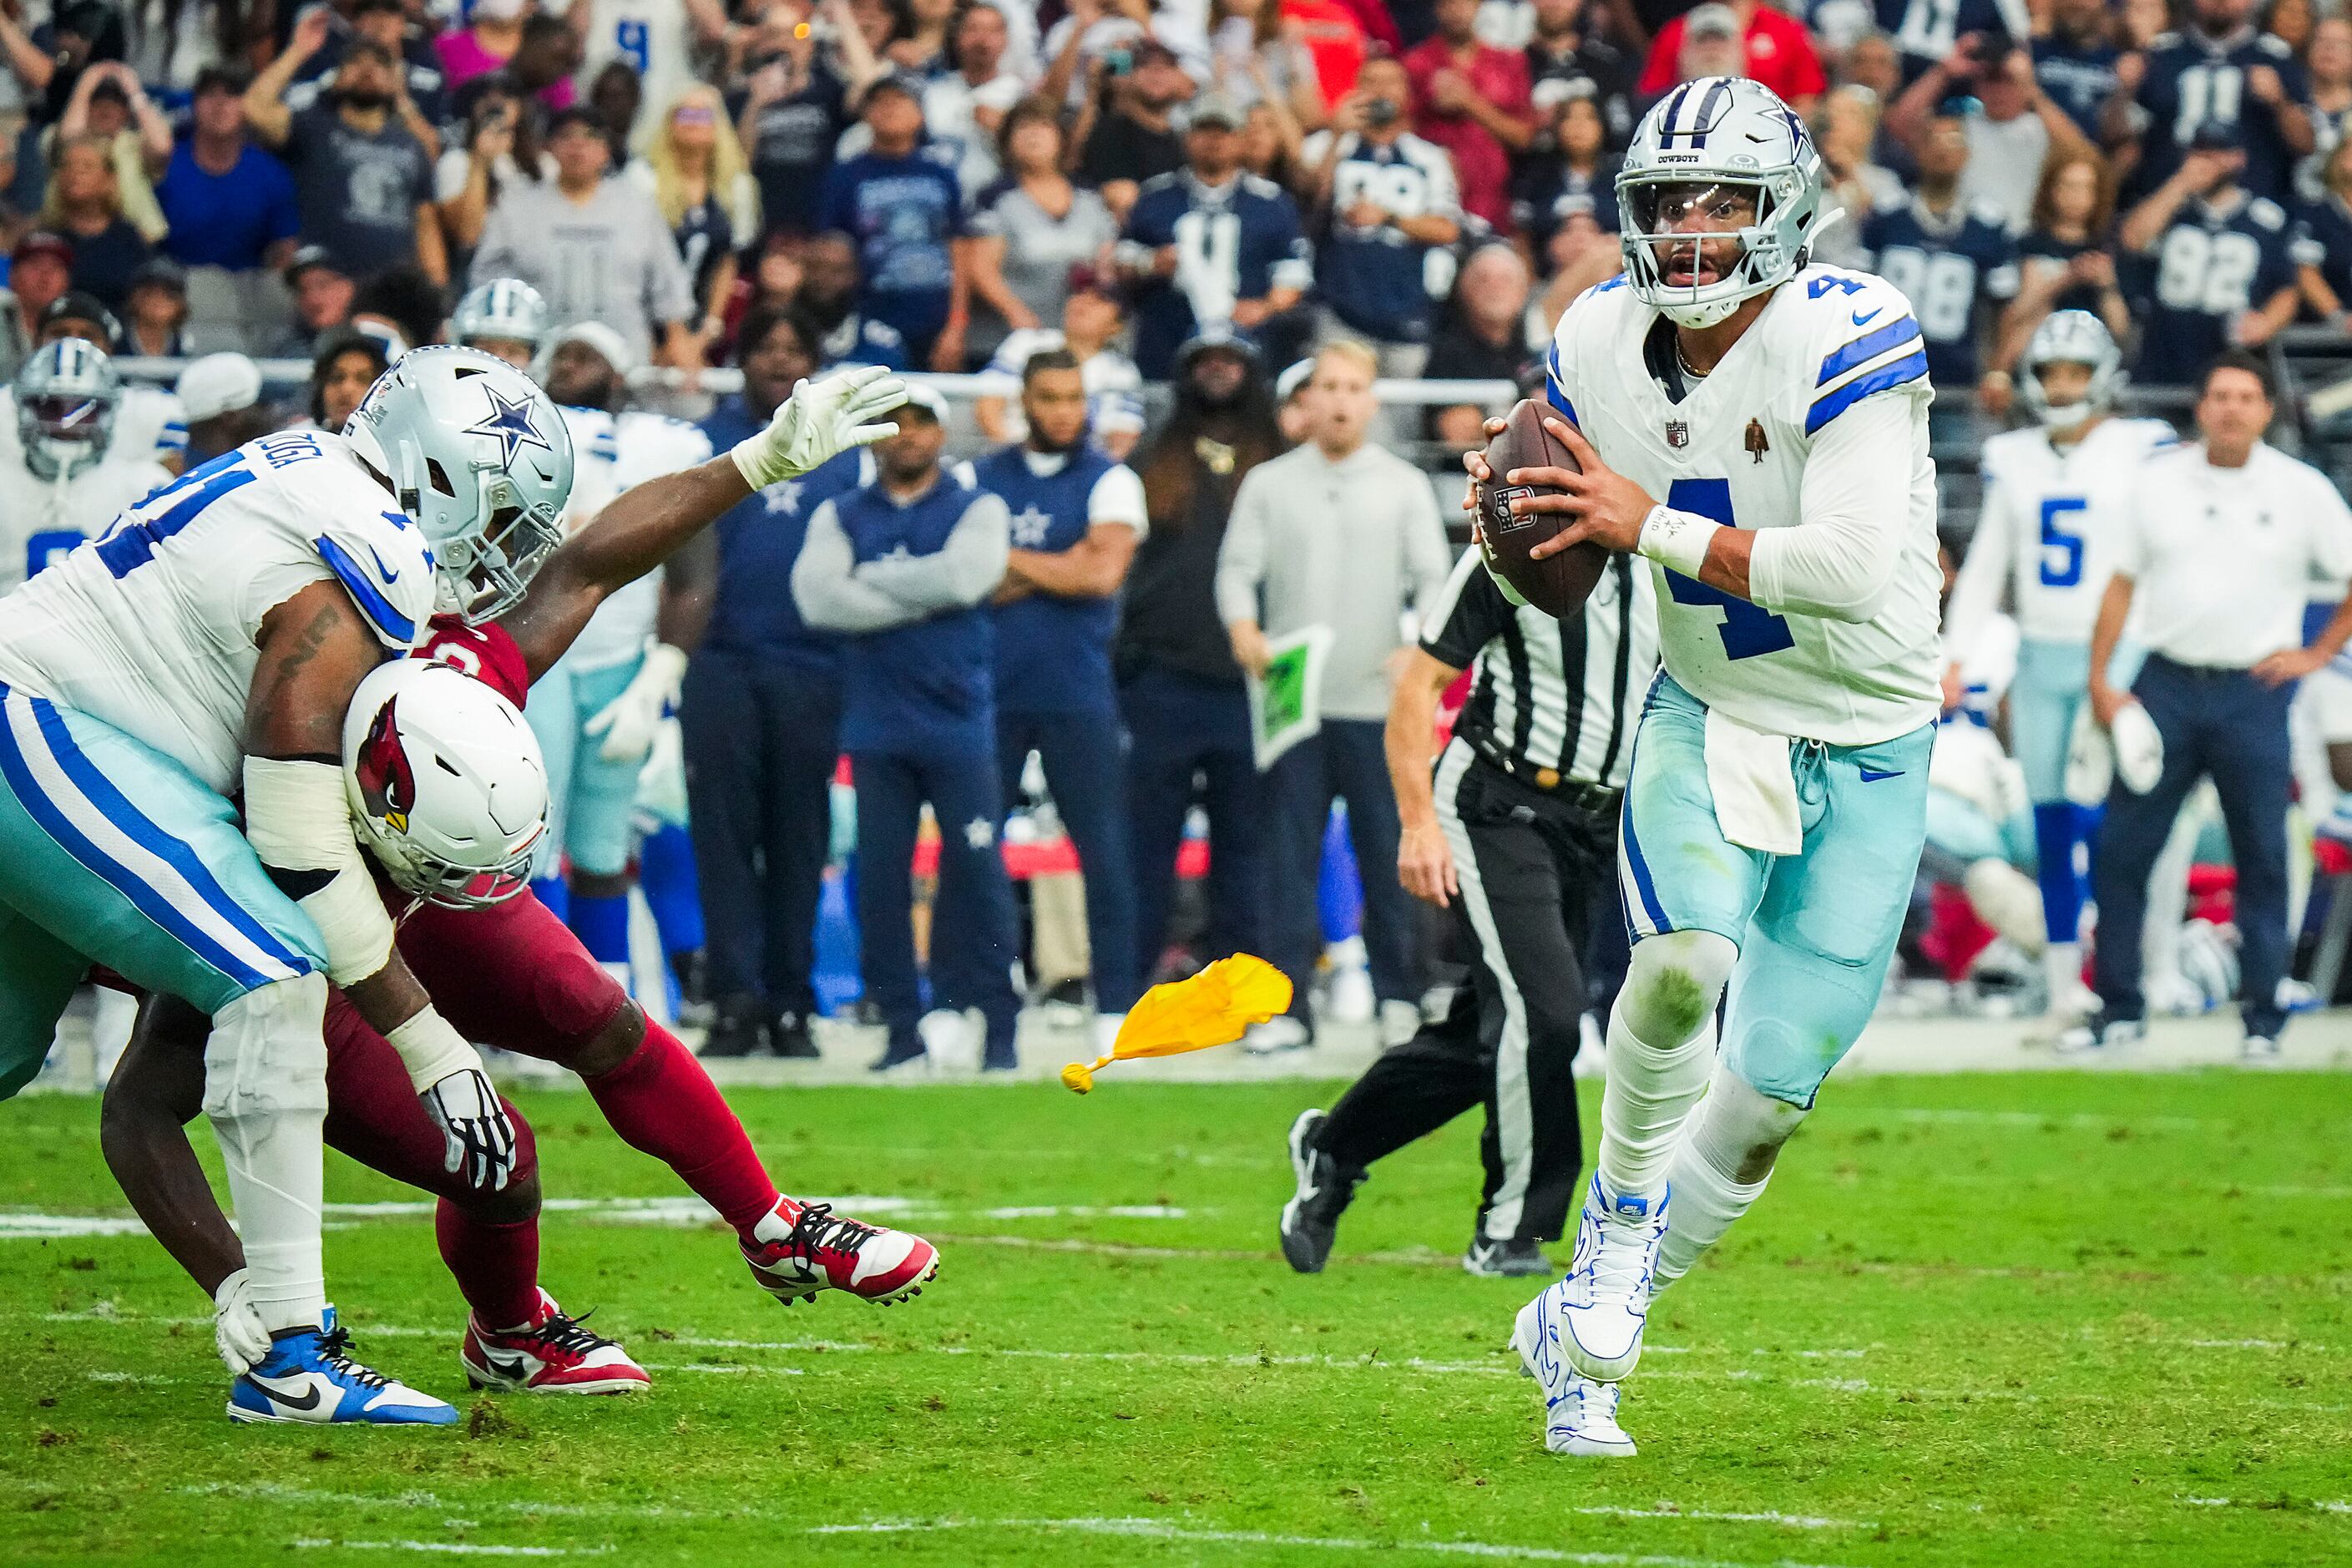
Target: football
1556, 585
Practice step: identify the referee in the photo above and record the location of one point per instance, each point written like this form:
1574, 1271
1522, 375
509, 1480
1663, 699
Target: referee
1517, 834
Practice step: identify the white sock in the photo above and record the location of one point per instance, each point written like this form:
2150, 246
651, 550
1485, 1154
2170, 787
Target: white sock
2062, 967
1735, 1132
266, 1095
1661, 1044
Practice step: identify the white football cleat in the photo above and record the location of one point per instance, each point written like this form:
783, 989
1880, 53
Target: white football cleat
1604, 1302
1580, 1414
2261, 1051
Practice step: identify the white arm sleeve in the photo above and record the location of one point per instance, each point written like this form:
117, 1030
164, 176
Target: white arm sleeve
827, 588
1975, 594
960, 573
297, 820
1840, 559
1241, 559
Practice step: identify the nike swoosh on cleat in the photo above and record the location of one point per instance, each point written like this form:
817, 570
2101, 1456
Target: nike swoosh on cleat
513, 1369
1872, 775
308, 1400
1862, 320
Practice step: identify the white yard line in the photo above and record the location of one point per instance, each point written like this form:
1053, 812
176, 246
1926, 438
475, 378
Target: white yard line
451, 1548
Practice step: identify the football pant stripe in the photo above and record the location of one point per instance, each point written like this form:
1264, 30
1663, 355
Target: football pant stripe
1912, 368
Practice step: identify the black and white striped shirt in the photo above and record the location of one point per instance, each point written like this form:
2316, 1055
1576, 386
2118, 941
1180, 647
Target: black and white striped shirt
1549, 694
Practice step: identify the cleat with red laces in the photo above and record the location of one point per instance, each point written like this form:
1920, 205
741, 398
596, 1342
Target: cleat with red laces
552, 1354
803, 1248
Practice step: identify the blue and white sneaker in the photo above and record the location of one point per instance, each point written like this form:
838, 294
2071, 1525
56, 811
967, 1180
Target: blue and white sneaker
309, 1376
1579, 1415
1604, 1302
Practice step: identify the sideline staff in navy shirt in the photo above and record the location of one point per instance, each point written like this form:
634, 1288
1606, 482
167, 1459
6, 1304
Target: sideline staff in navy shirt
761, 711
1075, 520
904, 567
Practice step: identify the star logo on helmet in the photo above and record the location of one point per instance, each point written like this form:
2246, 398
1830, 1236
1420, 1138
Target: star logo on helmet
512, 423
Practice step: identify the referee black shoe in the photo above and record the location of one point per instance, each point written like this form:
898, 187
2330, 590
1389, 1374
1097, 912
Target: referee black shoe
1490, 1260
1310, 1220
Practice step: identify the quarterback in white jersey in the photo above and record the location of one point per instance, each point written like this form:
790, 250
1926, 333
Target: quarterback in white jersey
597, 711
61, 484
1757, 427
2055, 497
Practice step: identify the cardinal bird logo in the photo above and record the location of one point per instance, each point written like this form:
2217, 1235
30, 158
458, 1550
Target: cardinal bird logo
387, 785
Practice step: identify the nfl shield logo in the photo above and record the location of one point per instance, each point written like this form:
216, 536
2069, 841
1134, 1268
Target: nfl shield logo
1677, 434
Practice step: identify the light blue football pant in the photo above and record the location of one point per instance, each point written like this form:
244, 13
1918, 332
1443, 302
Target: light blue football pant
1815, 930
589, 799
112, 853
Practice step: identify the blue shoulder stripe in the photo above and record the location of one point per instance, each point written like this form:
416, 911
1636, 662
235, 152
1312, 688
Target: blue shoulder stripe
396, 629
1553, 393
1868, 347
1909, 368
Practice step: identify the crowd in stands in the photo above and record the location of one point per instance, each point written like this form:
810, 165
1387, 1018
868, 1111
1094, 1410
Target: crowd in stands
927, 182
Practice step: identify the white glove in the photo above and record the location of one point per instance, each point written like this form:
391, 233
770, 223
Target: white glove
478, 1140
2139, 749
628, 721
237, 1333
822, 419
661, 782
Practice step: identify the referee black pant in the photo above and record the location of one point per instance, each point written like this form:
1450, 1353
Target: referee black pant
1533, 868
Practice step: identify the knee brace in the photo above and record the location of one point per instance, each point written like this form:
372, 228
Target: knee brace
1672, 985
267, 1053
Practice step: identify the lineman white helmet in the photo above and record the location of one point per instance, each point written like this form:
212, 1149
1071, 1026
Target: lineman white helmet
481, 462
1706, 140
2071, 337
446, 783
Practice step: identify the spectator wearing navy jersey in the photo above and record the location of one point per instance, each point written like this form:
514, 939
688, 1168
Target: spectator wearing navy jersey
795, 105
1390, 201
1570, 170
1924, 31
903, 568
85, 206
2323, 243
2219, 76
829, 298
385, 24
761, 712
1949, 260
1075, 518
2074, 61
900, 203
1566, 57
2214, 266
1211, 246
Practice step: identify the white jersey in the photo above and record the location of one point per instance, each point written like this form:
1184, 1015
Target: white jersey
153, 628
149, 423
2047, 529
1833, 354
42, 519
612, 454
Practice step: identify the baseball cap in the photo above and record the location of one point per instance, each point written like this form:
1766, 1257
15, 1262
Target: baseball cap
44, 242
925, 398
892, 81
1291, 379
163, 271
218, 383
600, 337
1711, 20
78, 306
307, 257
1215, 109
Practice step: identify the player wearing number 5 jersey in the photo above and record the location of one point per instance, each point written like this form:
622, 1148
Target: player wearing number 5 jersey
2054, 497
1757, 427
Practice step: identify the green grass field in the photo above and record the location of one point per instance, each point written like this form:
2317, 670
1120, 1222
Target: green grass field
1983, 1319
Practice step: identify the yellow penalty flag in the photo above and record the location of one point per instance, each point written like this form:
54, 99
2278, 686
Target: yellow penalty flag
1212, 1008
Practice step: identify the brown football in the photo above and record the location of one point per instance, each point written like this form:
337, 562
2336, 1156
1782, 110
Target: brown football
1556, 585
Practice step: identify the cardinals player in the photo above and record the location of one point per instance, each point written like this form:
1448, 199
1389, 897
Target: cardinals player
510, 973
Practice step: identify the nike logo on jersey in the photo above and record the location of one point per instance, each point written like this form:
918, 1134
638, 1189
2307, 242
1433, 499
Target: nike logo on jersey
389, 573
1862, 321
1872, 775
307, 1400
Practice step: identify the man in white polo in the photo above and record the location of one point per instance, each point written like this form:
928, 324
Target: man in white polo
2217, 550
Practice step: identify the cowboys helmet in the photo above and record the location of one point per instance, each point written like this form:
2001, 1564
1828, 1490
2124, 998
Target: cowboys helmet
447, 787
506, 311
2071, 337
67, 395
481, 463
1706, 140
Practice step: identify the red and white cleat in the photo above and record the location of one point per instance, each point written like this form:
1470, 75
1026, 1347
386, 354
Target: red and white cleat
554, 1354
806, 1247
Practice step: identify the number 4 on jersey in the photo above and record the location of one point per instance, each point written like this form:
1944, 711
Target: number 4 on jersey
1747, 630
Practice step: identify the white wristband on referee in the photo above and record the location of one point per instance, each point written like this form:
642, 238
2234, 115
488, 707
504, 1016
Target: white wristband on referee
431, 1049
1676, 540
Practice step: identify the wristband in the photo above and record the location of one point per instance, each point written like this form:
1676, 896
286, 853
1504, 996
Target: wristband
1676, 540
431, 1049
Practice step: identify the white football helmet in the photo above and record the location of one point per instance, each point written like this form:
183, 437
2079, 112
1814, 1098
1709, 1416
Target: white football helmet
67, 395
2071, 337
446, 783
481, 463
505, 310
1718, 131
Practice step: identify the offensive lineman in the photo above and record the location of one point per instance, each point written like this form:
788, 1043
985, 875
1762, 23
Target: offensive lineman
1757, 427
2047, 531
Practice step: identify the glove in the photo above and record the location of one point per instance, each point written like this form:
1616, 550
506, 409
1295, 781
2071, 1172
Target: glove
661, 782
628, 721
820, 420
477, 1139
237, 1333
2139, 749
